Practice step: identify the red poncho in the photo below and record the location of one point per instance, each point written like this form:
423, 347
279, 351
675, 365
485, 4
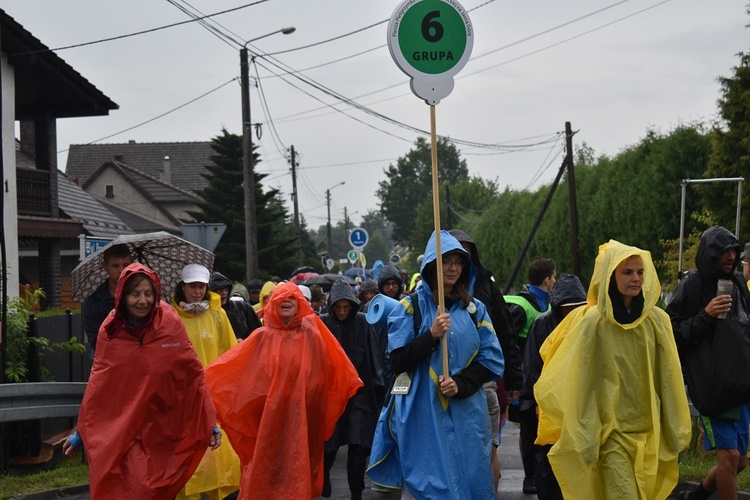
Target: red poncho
146, 418
279, 394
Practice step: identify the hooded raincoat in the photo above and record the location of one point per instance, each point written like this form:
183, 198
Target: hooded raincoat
357, 424
720, 389
146, 418
486, 290
439, 447
265, 293
279, 395
211, 334
611, 395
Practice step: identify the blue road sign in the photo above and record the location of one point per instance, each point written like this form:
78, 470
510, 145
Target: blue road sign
358, 237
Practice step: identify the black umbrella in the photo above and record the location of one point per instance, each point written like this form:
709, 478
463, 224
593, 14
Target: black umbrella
326, 280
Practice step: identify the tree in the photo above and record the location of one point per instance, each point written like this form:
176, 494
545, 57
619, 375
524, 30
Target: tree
380, 243
409, 183
633, 197
731, 146
223, 200
469, 198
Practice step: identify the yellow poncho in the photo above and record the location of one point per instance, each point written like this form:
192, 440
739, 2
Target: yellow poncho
611, 396
211, 334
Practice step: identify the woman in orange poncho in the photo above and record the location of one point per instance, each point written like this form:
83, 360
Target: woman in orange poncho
279, 394
146, 417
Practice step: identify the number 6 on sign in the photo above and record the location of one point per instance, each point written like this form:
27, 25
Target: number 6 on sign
431, 41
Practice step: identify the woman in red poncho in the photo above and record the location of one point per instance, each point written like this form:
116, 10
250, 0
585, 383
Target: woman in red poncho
279, 394
146, 418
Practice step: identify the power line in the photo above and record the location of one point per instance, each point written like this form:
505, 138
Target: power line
152, 30
330, 39
161, 115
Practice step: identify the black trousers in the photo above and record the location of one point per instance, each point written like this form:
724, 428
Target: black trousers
545, 481
356, 464
527, 436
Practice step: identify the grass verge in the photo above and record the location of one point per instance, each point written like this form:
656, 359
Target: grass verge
69, 472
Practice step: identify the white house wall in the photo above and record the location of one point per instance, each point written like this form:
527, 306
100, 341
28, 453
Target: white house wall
126, 198
10, 197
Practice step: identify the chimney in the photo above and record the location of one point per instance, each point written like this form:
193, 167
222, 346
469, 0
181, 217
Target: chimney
119, 158
166, 173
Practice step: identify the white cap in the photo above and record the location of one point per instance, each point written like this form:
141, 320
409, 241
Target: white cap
193, 273
306, 292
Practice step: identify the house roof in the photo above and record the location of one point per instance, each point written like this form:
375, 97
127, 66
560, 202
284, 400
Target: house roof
187, 160
154, 189
137, 223
78, 204
44, 81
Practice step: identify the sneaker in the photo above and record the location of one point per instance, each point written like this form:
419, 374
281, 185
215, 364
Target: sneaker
529, 487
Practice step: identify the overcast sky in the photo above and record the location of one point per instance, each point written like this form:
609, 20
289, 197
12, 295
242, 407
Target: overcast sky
614, 69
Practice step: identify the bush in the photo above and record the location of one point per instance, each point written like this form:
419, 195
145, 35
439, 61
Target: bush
20, 342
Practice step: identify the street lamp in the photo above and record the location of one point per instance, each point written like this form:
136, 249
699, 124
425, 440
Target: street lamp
248, 173
328, 202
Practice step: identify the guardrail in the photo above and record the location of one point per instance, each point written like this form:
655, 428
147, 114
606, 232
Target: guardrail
40, 400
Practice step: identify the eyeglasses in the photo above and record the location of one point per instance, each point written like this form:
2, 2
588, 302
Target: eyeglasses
391, 284
453, 263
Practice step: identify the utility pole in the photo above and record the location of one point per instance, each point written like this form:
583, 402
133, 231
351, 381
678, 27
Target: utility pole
328, 228
297, 228
248, 173
574, 248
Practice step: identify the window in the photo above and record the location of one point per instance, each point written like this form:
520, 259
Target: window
110, 190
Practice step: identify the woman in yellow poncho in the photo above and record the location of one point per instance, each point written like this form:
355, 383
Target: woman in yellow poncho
611, 395
265, 294
211, 334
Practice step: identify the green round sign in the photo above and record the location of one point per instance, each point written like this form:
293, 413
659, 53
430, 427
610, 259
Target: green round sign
432, 37
430, 40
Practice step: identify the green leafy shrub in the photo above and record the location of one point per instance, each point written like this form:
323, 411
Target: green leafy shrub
20, 342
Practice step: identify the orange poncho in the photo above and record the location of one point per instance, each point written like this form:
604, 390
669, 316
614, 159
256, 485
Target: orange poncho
146, 417
279, 394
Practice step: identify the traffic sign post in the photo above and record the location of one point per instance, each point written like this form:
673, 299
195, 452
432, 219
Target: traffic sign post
352, 256
431, 41
358, 238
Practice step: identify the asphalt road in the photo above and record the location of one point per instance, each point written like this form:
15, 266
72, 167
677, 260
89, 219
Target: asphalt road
509, 489
511, 472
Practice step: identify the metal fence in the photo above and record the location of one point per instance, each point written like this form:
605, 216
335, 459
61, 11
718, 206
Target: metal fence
48, 403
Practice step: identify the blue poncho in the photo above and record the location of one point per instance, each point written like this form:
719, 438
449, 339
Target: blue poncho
440, 448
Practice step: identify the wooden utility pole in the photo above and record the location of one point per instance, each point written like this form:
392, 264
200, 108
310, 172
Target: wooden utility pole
297, 228
574, 248
248, 174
